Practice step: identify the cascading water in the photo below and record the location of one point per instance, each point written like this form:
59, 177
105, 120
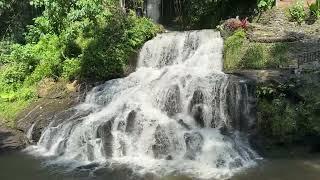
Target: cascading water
178, 113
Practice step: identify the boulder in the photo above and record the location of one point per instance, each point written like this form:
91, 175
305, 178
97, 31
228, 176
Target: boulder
11, 140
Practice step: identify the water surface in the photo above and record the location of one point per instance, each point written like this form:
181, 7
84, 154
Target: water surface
25, 167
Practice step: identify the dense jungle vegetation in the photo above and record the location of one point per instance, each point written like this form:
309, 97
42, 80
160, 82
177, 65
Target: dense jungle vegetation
63, 39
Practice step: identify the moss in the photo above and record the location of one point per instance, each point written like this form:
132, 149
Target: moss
240, 53
233, 50
289, 113
10, 110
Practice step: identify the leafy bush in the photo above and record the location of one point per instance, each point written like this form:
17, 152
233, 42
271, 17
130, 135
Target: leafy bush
70, 40
264, 5
289, 112
14, 73
71, 68
106, 56
297, 12
315, 9
199, 14
14, 17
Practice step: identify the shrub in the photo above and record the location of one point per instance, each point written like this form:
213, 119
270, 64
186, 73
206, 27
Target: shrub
255, 57
264, 5
315, 9
289, 112
71, 68
70, 40
14, 73
234, 24
277, 119
106, 55
297, 12
200, 14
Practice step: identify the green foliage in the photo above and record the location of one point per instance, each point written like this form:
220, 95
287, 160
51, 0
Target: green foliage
71, 68
10, 109
233, 48
14, 73
264, 5
197, 14
107, 54
278, 120
84, 39
290, 111
297, 12
15, 15
239, 53
255, 57
315, 9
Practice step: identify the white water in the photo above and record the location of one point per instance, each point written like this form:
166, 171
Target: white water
165, 118
29, 132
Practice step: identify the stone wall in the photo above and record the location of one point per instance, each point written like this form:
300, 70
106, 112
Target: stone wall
306, 53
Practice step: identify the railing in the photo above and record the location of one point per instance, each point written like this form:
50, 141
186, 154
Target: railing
308, 57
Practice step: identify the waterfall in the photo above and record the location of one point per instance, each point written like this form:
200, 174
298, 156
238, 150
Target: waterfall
29, 132
178, 112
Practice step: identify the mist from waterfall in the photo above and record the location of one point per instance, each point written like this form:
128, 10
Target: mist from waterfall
177, 113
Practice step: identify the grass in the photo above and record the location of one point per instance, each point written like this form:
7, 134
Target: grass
10, 110
240, 53
12, 102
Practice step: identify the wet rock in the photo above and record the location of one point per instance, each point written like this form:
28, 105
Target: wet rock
169, 158
55, 103
131, 120
183, 124
105, 133
61, 147
121, 126
43, 113
225, 131
90, 152
198, 115
162, 146
194, 143
11, 140
100, 171
196, 107
170, 100
237, 163
197, 98
90, 166
220, 163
